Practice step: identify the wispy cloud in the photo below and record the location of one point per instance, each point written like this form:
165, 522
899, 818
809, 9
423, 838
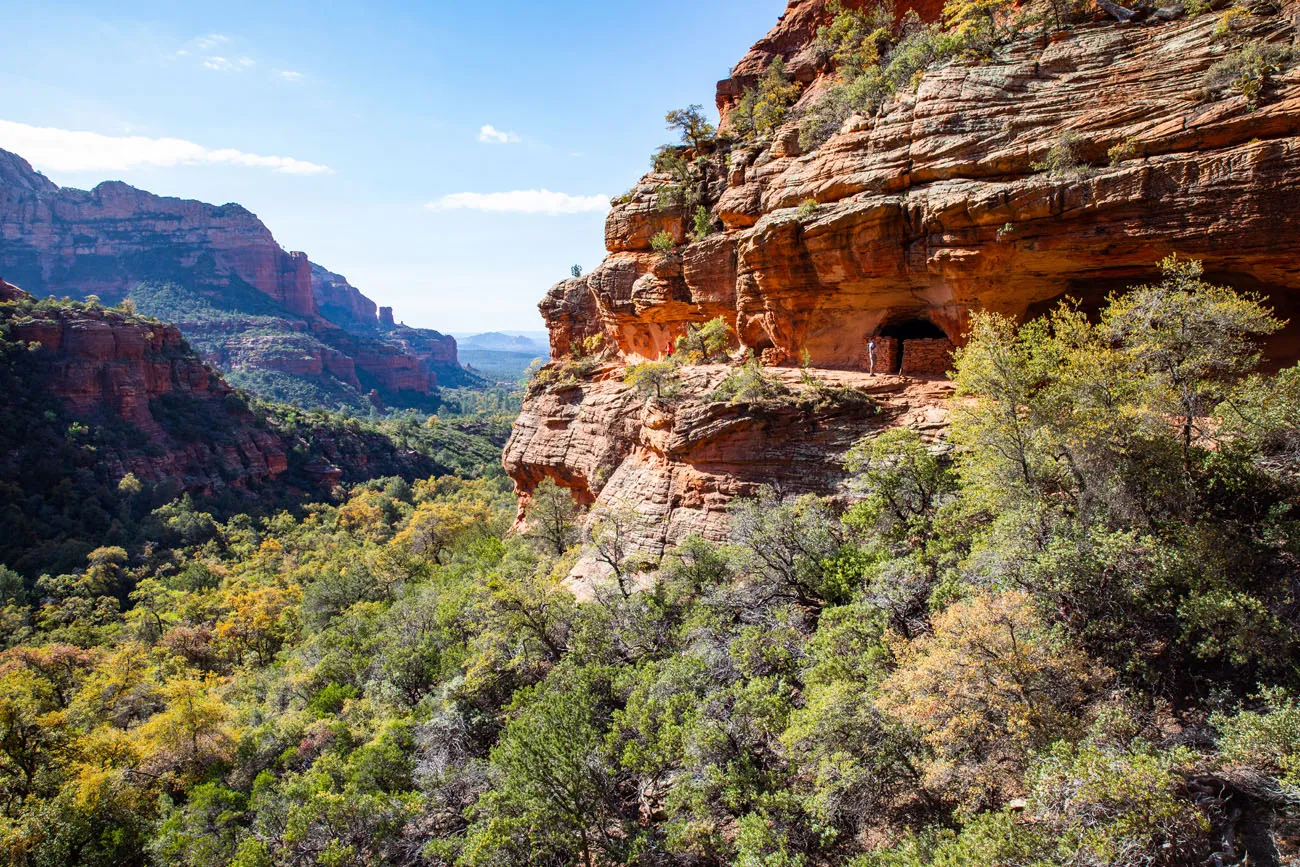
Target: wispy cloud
489, 134
522, 202
78, 151
289, 75
211, 41
218, 63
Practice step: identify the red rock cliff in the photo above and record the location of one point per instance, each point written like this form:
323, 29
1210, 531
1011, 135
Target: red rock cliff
911, 219
108, 366
62, 241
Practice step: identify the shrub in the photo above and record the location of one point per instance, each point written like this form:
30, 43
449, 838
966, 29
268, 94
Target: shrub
992, 683
659, 379
763, 108
807, 208
876, 60
1117, 805
703, 221
576, 271
1268, 742
750, 383
695, 130
1121, 151
584, 356
1247, 72
1062, 157
704, 343
662, 243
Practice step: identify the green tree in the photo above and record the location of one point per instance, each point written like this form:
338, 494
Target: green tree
659, 379
704, 343
1190, 341
553, 517
695, 129
763, 108
555, 794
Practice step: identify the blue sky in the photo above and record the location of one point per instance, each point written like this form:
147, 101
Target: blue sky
340, 125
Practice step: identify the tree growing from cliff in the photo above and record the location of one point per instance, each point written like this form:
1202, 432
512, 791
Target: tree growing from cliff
695, 129
552, 517
763, 108
701, 344
658, 379
702, 224
662, 243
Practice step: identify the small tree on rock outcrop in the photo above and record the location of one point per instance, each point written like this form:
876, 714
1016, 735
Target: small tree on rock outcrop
690, 122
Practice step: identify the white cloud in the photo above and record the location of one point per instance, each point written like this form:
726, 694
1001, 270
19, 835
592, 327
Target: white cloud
211, 41
289, 75
76, 151
489, 134
218, 63
522, 202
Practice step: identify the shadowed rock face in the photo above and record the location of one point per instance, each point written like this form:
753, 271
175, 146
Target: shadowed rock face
61, 241
924, 213
106, 366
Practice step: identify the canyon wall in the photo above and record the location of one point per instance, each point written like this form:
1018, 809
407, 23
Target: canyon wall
107, 367
897, 228
309, 322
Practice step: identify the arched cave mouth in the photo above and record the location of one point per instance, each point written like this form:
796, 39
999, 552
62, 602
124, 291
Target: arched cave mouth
913, 329
912, 345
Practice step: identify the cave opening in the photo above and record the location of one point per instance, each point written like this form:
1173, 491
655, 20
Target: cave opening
913, 329
912, 346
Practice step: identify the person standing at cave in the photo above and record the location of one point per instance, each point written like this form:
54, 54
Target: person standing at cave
871, 356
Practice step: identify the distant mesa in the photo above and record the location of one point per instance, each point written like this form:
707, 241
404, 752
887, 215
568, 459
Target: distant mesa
273, 320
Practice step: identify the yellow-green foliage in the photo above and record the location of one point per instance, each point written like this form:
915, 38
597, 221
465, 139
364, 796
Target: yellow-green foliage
1247, 71
658, 379
705, 343
978, 655
584, 356
992, 683
1062, 158
763, 108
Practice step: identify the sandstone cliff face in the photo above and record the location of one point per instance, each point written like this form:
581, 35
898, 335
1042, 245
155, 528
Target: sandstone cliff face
912, 219
56, 241
59, 241
340, 301
108, 367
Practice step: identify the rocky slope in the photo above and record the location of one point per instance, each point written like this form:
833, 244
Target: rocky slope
897, 228
310, 323
177, 419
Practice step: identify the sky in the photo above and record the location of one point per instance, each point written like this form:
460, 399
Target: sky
451, 159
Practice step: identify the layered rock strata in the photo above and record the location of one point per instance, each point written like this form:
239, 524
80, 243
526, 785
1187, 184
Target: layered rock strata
105, 366
905, 222
104, 242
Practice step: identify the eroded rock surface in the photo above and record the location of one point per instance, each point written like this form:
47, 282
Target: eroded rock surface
106, 241
108, 367
900, 226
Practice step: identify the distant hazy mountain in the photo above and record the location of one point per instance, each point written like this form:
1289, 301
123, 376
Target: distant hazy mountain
506, 341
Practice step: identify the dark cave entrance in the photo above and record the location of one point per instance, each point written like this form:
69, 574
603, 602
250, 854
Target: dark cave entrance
913, 329
913, 346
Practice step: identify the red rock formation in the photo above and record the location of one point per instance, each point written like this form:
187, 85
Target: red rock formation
920, 214
340, 301
105, 242
105, 365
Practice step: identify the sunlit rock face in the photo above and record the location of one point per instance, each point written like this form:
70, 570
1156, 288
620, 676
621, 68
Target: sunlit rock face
105, 242
898, 228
